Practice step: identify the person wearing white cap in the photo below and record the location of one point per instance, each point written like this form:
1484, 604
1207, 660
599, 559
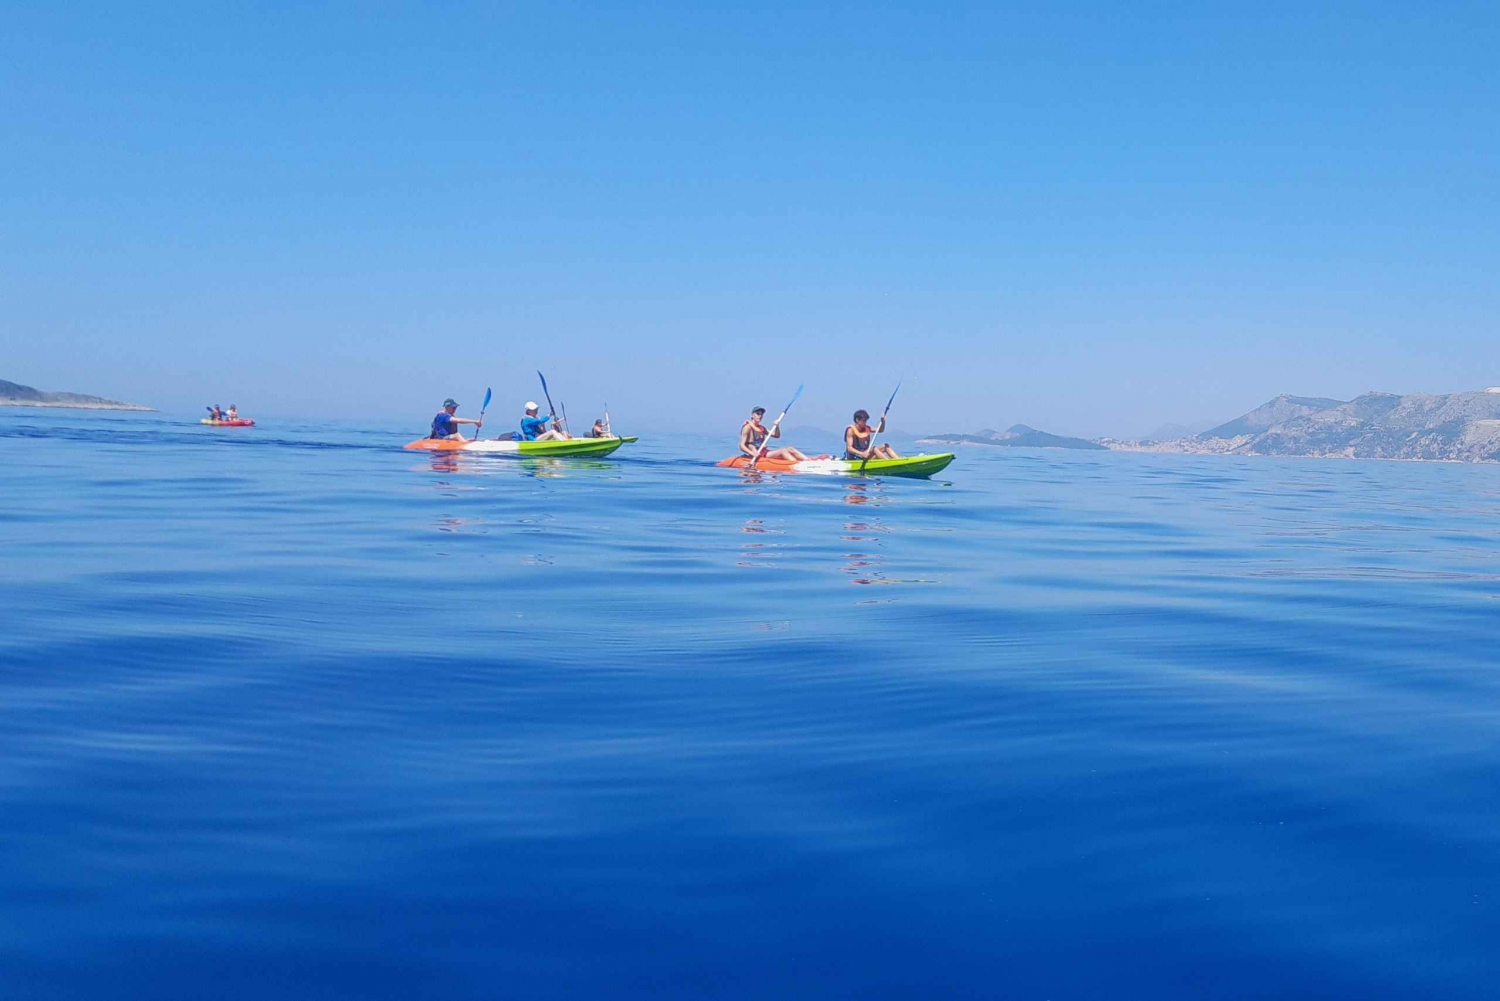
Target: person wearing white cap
534, 428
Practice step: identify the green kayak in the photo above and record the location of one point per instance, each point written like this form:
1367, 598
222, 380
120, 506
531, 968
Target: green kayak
572, 446
914, 465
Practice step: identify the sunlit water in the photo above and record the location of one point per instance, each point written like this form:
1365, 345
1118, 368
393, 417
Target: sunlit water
289, 712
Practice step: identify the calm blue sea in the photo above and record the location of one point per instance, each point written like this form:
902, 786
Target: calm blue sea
289, 712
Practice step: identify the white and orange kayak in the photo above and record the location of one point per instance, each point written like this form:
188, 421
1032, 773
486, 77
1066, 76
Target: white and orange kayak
238, 422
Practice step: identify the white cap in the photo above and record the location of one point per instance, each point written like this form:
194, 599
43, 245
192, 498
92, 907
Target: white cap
531, 405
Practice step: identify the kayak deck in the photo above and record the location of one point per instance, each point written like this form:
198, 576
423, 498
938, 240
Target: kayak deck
572, 446
915, 465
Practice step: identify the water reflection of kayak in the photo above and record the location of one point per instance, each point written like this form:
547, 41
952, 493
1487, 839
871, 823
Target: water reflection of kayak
915, 465
572, 446
238, 422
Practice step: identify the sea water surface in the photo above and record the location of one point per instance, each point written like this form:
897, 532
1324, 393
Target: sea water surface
289, 712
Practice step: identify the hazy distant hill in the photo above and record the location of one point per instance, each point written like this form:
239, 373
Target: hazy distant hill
13, 394
1461, 427
1016, 436
1269, 415
1169, 432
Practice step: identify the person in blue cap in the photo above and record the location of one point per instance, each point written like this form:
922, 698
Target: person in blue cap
445, 425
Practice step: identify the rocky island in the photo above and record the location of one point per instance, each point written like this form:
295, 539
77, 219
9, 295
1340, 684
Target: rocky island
1016, 436
13, 394
1452, 427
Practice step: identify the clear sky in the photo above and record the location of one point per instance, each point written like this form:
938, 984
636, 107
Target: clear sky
1091, 218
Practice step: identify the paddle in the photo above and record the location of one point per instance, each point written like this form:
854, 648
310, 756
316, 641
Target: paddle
551, 410
609, 428
766, 444
876, 432
565, 421
482, 407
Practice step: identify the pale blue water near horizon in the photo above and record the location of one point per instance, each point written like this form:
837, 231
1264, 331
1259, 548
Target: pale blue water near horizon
289, 712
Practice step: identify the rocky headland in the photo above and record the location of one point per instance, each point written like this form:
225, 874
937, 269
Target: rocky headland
13, 394
1451, 427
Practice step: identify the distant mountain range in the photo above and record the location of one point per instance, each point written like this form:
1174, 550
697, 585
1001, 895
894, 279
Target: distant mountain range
1454, 427
13, 394
1016, 436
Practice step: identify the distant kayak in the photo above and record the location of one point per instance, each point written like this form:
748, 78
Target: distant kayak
573, 446
238, 422
916, 465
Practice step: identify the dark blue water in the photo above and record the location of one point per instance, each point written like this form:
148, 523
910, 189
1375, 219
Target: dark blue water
293, 713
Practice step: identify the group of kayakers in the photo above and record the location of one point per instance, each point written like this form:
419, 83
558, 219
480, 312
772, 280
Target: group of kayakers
216, 413
859, 443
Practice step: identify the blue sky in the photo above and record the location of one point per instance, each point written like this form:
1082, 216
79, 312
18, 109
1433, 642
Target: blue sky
1091, 218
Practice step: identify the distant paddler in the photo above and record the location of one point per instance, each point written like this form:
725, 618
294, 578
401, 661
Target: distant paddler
534, 428
859, 439
445, 425
753, 435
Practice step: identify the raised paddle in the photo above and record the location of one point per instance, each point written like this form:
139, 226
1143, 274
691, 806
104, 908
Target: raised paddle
609, 428
766, 444
876, 432
551, 410
565, 421
482, 407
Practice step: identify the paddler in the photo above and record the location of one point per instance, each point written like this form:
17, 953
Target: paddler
233, 414
599, 430
534, 428
445, 425
215, 414
753, 435
858, 436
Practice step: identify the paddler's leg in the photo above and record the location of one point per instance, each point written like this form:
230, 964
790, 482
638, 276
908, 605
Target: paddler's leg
551, 435
885, 452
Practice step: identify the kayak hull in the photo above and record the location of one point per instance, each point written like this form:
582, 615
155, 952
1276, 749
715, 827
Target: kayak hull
238, 422
522, 449
915, 465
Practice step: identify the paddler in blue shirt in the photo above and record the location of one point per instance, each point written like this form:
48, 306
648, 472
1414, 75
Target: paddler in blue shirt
753, 434
445, 425
534, 428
